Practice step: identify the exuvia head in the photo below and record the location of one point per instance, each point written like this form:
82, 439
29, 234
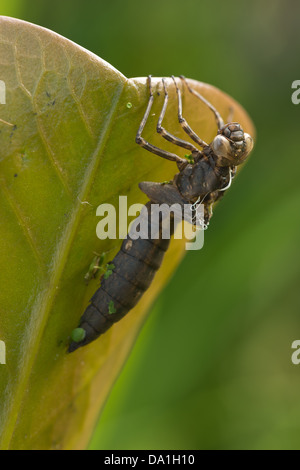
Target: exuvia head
231, 145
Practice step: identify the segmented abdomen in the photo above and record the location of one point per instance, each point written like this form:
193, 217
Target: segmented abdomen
134, 268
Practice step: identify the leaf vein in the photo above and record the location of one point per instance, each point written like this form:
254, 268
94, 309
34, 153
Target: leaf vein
23, 225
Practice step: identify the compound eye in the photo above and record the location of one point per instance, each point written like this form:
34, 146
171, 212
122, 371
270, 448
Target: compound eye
249, 143
221, 146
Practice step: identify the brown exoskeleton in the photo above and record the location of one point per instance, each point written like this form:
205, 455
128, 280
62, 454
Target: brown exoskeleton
203, 177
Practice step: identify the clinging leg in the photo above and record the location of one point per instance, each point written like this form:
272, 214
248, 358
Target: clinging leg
166, 135
143, 143
220, 122
184, 123
230, 115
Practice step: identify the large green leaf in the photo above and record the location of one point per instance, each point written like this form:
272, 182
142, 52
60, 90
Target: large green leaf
67, 140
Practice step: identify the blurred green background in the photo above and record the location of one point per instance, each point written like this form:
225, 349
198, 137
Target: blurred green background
212, 367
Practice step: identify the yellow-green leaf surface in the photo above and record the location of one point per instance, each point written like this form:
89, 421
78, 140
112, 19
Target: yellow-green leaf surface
67, 144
